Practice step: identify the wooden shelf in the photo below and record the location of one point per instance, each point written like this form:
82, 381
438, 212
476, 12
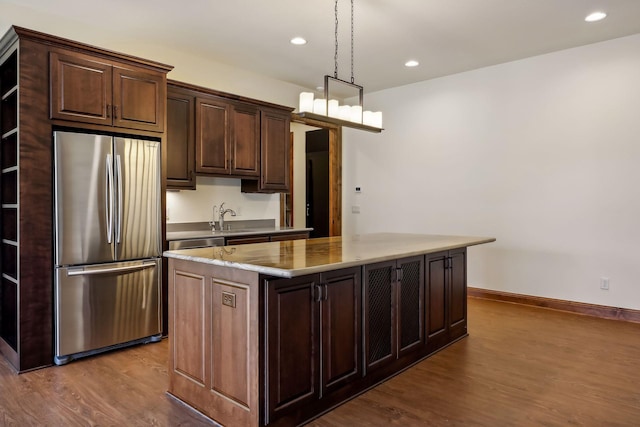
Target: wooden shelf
9, 133
9, 186
10, 92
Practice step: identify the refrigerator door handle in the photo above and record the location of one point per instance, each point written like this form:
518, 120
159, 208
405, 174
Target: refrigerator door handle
109, 197
119, 181
84, 272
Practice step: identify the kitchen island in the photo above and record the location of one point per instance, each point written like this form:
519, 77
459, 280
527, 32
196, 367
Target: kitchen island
278, 333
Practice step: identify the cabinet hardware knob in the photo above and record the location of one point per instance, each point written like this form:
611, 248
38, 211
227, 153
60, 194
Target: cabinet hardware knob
108, 111
115, 111
318, 296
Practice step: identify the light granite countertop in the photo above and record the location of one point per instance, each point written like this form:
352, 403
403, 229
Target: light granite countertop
299, 257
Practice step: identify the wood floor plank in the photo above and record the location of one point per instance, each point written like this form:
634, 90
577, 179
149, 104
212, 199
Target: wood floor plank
520, 366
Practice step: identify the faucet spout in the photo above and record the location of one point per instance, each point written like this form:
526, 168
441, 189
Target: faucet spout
222, 213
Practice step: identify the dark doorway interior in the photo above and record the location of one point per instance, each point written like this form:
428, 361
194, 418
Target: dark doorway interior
317, 173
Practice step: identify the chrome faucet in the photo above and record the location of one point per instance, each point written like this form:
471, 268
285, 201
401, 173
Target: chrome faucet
224, 211
213, 221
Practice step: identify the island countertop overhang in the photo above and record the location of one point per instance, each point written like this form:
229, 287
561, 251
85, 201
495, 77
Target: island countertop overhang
300, 257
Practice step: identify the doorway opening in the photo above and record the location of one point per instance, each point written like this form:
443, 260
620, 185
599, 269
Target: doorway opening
293, 205
317, 182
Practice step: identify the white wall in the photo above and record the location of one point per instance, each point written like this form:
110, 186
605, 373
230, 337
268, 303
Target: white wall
197, 206
542, 153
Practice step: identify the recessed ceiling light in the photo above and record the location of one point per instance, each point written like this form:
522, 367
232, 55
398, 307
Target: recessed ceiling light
595, 16
298, 41
411, 63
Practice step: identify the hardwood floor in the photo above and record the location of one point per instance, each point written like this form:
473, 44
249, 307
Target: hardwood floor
121, 388
520, 366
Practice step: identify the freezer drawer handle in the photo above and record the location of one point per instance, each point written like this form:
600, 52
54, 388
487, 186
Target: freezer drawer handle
83, 272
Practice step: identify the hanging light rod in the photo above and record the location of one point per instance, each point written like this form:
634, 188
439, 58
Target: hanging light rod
328, 109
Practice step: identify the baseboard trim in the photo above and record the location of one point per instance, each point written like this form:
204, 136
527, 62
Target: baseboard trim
602, 311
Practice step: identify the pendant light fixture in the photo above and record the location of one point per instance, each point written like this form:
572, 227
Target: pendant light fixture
330, 109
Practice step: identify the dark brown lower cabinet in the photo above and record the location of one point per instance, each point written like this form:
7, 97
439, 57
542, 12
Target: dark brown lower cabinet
313, 340
393, 313
446, 297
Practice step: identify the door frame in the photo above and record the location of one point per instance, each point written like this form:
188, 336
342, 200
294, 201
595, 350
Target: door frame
335, 171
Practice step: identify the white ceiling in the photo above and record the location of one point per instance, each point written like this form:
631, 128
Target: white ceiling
446, 36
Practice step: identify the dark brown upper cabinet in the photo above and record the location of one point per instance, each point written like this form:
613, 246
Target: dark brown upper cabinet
274, 153
234, 137
180, 139
227, 137
99, 91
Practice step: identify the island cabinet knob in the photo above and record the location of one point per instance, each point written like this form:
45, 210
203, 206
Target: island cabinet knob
399, 274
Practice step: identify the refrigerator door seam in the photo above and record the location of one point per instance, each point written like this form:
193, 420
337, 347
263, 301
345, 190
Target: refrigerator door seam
109, 198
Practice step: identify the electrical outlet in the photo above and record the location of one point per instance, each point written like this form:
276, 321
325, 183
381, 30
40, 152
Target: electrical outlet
604, 283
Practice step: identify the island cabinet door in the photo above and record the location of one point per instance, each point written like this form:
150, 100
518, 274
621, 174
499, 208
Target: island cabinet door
446, 297
379, 314
410, 294
436, 299
341, 328
458, 289
293, 371
394, 310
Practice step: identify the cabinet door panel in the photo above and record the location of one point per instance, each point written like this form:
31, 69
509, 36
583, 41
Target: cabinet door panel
436, 296
410, 305
212, 136
138, 99
292, 333
231, 360
180, 140
341, 335
245, 141
80, 89
458, 276
380, 334
189, 326
275, 151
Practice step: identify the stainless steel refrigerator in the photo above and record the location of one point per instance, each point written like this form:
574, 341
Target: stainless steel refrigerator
107, 243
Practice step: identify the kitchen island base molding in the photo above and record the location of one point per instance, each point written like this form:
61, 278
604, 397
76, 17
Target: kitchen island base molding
253, 349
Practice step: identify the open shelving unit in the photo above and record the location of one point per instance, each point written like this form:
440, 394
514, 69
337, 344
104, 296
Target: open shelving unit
9, 203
